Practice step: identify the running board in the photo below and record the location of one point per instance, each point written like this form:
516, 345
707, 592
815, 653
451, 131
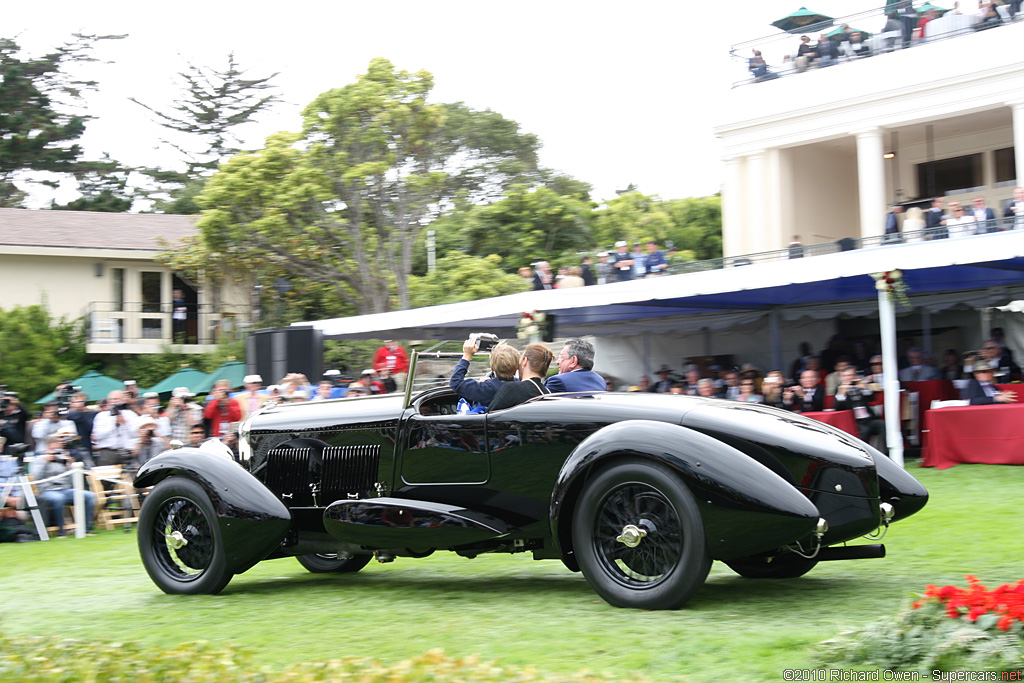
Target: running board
851, 552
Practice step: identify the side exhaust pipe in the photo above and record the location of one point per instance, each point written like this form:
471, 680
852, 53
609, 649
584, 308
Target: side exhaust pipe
852, 552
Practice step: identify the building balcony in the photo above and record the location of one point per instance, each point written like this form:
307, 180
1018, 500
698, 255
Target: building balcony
141, 327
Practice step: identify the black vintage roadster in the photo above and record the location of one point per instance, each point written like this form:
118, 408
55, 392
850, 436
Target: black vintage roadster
640, 492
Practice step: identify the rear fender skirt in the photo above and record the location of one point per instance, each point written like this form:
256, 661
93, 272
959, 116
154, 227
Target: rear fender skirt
253, 522
746, 508
418, 525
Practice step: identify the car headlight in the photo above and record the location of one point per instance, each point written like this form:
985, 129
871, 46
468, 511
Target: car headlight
244, 449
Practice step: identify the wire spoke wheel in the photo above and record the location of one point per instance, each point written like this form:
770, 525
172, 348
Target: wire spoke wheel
179, 539
658, 551
186, 548
639, 538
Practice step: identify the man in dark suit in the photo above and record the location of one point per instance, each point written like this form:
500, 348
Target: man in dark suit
892, 225
981, 390
575, 369
985, 217
854, 394
806, 397
934, 220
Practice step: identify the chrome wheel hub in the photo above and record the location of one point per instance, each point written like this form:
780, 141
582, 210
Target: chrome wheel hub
176, 540
631, 535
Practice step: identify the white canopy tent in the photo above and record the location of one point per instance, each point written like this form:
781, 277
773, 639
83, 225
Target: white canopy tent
982, 270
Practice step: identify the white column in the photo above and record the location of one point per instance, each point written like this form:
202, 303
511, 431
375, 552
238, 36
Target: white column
733, 222
756, 227
871, 182
1018, 139
890, 371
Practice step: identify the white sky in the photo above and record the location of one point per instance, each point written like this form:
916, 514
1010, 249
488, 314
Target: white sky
618, 92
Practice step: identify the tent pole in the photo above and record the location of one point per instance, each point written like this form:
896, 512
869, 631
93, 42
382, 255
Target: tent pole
890, 371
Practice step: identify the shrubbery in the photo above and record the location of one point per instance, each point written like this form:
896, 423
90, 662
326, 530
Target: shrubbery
949, 629
57, 660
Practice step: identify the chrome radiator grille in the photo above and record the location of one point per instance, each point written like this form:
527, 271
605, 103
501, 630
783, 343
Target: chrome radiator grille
336, 472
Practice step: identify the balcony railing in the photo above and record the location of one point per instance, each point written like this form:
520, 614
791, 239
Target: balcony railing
779, 49
846, 244
109, 322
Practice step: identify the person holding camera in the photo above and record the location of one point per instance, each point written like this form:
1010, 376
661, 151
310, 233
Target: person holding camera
13, 423
115, 430
854, 394
807, 396
150, 443
48, 424
221, 410
54, 495
504, 362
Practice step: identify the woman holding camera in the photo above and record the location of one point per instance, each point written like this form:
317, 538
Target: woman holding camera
504, 362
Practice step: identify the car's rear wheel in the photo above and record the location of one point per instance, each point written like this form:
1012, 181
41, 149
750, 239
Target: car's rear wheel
179, 539
639, 538
323, 563
785, 566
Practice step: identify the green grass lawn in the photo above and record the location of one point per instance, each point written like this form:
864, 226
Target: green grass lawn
518, 611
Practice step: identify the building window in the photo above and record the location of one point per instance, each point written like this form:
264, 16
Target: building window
1006, 167
950, 176
151, 291
117, 291
152, 328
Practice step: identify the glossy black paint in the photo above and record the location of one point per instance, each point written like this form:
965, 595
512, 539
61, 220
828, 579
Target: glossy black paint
395, 523
252, 521
509, 480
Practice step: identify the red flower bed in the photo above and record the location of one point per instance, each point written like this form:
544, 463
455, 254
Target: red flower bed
1006, 601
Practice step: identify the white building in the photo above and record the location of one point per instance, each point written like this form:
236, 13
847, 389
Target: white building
102, 267
805, 153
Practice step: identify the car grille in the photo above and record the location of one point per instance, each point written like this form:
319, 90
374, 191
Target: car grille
345, 470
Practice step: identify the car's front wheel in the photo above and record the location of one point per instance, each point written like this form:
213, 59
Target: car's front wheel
639, 537
180, 541
786, 566
340, 563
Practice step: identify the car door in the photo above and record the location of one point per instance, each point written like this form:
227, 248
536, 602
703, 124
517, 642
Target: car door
445, 449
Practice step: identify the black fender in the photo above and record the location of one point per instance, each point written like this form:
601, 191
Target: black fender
252, 520
898, 487
746, 508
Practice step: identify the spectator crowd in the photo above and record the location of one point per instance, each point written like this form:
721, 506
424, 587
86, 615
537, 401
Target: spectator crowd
622, 265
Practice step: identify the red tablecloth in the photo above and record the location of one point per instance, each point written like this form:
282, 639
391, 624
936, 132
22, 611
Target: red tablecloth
935, 390
843, 419
991, 434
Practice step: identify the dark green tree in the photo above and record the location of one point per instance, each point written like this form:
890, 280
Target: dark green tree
204, 123
696, 225
42, 115
39, 352
102, 190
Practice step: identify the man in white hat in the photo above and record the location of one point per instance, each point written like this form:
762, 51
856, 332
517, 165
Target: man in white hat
253, 398
622, 262
181, 415
150, 444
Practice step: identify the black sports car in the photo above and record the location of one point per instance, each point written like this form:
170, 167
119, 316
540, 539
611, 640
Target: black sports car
638, 491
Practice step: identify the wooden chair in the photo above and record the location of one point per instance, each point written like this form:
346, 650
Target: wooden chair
116, 499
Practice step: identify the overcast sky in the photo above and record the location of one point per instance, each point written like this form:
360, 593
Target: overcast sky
618, 93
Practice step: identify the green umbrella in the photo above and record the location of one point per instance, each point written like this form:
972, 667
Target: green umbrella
233, 371
864, 35
187, 377
95, 385
927, 7
803, 21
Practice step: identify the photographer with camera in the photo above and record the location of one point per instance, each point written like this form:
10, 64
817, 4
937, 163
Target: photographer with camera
82, 418
54, 495
48, 424
114, 431
150, 443
853, 393
13, 422
221, 410
504, 363
807, 396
